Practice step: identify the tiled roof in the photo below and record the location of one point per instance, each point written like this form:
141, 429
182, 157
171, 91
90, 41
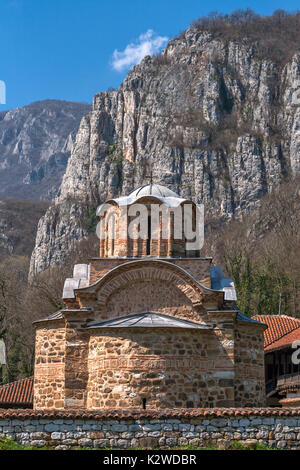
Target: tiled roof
19, 393
166, 413
279, 329
285, 341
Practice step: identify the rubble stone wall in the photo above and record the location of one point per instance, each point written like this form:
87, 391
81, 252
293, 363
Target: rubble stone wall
275, 427
249, 379
150, 367
49, 369
166, 367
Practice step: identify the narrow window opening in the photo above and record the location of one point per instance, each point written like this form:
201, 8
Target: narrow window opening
148, 249
144, 400
209, 404
113, 238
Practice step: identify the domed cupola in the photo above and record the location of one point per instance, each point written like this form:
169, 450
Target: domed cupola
143, 224
153, 190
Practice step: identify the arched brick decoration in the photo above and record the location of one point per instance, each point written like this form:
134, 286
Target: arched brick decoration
149, 270
147, 273
149, 296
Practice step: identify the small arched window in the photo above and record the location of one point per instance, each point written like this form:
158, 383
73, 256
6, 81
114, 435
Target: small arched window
148, 249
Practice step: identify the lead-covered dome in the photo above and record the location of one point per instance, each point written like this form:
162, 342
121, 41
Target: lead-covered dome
153, 190
163, 194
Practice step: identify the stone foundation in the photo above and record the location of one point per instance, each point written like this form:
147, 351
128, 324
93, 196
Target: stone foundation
275, 427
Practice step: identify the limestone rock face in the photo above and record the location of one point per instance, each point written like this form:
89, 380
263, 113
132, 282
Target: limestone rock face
35, 144
216, 123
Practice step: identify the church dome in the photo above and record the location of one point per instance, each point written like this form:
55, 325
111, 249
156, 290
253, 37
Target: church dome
158, 240
165, 195
153, 189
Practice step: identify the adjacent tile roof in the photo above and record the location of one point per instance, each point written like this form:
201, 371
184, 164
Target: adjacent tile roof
19, 393
282, 330
285, 341
166, 413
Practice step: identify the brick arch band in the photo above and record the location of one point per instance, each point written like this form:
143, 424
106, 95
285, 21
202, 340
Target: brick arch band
145, 271
146, 274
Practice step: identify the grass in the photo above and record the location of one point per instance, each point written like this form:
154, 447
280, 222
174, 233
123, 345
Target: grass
257, 446
10, 444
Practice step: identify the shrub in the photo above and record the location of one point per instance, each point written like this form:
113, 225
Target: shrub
275, 37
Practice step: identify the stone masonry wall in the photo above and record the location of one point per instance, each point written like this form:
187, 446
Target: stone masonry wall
150, 367
167, 367
49, 369
249, 379
274, 427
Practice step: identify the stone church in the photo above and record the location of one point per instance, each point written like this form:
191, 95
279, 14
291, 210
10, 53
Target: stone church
148, 324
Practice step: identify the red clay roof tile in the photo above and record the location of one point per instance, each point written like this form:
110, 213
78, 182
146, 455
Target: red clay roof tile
285, 341
145, 414
19, 393
278, 327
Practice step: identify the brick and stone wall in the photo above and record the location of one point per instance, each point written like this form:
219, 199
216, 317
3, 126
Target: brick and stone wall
164, 241
167, 367
275, 427
149, 296
49, 370
122, 283
76, 371
102, 368
249, 366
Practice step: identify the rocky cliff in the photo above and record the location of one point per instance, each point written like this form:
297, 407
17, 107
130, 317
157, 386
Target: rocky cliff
35, 144
213, 118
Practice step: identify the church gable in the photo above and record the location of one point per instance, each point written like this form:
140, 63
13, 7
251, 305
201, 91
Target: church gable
150, 295
151, 285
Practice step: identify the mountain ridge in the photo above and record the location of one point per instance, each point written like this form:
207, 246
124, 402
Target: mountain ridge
35, 143
216, 120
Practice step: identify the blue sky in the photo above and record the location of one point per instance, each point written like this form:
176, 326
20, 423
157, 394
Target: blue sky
71, 49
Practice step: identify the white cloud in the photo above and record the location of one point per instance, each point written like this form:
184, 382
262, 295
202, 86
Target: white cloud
147, 44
